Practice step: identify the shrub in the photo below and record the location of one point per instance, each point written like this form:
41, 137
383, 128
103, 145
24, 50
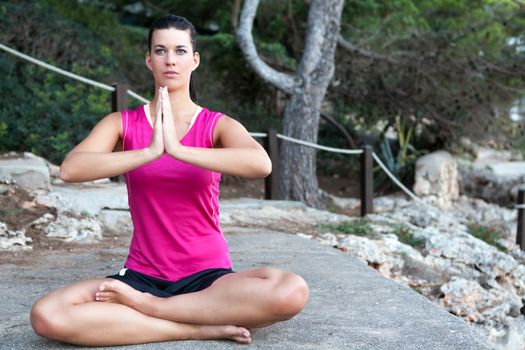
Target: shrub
486, 233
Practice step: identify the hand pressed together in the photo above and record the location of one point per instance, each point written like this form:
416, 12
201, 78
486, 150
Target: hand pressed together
171, 142
164, 139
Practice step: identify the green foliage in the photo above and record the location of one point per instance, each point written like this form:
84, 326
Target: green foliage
49, 114
8, 214
417, 290
406, 235
448, 64
357, 227
486, 233
237, 92
402, 162
44, 112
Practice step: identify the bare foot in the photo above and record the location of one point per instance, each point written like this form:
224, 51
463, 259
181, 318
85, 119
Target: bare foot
237, 334
119, 292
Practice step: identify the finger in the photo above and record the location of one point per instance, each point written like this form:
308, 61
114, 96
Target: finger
159, 100
167, 104
159, 113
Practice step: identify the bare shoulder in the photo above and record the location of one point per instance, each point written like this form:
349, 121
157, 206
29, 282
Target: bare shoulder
115, 121
229, 132
104, 136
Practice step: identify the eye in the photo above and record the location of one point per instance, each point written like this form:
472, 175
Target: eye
181, 51
160, 51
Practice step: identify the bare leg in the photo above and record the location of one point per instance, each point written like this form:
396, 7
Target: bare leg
71, 314
252, 298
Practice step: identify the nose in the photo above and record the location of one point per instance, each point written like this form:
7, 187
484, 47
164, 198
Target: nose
170, 58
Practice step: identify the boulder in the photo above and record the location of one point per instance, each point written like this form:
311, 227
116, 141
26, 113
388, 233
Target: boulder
26, 170
437, 177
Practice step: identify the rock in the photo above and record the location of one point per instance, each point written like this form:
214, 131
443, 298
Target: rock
28, 171
492, 179
54, 170
327, 239
474, 303
346, 203
437, 175
388, 203
43, 220
116, 220
86, 198
486, 156
13, 240
466, 275
85, 230
508, 169
261, 212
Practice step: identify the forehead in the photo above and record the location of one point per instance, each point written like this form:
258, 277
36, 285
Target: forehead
171, 37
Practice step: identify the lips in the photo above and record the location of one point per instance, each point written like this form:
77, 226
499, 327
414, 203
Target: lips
170, 74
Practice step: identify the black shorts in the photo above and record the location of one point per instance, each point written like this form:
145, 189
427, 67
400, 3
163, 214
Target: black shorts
162, 288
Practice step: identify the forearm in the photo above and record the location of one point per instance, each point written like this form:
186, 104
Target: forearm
244, 162
89, 166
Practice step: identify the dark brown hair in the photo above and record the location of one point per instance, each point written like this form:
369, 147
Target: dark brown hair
180, 23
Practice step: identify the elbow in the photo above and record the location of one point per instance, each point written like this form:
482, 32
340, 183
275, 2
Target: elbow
266, 168
64, 175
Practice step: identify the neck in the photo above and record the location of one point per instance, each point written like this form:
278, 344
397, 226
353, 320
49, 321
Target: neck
181, 104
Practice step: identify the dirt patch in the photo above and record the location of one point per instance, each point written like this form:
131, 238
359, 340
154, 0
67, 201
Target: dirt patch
236, 187
18, 209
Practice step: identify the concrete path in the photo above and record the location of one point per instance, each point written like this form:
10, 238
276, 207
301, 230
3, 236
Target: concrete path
351, 306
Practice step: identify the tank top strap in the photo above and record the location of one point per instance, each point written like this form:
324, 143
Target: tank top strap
208, 120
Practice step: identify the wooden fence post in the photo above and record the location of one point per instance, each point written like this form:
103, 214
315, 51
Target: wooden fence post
119, 97
367, 181
119, 102
271, 182
520, 234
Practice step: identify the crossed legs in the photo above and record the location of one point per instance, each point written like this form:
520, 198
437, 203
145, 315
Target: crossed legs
122, 315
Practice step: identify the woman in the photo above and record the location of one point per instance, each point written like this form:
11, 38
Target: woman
177, 282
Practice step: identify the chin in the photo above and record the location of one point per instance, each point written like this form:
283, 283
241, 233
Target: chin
172, 87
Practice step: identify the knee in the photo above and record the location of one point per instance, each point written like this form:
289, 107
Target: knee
291, 296
44, 321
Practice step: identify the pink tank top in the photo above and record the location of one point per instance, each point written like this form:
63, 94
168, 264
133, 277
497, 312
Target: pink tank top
174, 205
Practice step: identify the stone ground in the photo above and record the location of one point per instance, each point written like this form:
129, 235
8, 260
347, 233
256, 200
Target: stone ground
351, 306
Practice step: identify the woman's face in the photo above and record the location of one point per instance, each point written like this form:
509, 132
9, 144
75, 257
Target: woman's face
172, 59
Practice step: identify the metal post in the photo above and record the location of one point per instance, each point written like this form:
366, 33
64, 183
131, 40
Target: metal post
520, 235
271, 184
119, 97
367, 181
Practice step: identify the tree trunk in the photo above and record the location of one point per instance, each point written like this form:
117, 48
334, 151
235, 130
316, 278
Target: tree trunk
297, 178
306, 88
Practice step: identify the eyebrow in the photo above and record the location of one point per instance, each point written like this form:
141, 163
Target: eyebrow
178, 46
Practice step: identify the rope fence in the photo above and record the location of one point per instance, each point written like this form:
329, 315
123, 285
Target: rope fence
119, 102
69, 74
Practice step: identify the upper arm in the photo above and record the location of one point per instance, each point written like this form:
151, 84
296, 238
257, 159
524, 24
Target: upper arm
104, 135
229, 133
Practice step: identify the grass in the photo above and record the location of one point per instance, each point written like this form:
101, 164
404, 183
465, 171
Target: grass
406, 235
356, 227
418, 290
8, 213
486, 233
